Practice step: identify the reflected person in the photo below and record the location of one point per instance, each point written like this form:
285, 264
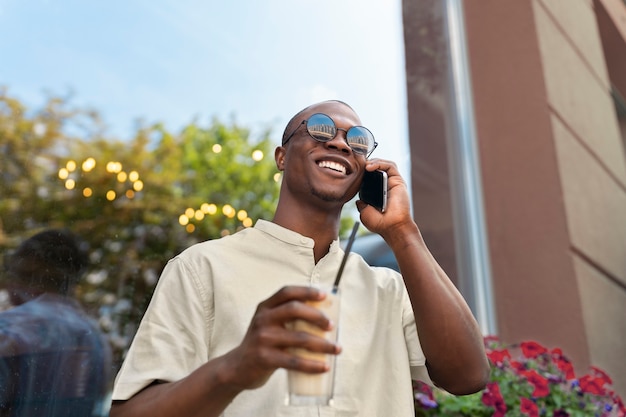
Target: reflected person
54, 361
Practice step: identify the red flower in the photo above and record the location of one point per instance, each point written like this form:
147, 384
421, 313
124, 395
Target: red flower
563, 363
529, 408
601, 374
497, 357
489, 339
539, 383
532, 349
518, 366
592, 385
493, 398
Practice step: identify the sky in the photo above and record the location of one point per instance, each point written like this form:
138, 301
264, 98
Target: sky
256, 62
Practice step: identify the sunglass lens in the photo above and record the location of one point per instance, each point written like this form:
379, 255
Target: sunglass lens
321, 127
360, 139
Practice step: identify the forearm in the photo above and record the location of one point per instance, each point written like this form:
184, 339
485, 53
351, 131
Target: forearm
205, 392
450, 336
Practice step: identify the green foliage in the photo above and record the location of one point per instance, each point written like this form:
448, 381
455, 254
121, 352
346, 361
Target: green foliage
535, 382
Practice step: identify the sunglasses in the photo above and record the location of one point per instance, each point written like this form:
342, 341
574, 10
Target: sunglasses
323, 129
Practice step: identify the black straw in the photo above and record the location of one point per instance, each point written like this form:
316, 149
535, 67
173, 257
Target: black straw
345, 256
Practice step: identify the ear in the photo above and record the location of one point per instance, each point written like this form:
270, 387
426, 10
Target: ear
279, 157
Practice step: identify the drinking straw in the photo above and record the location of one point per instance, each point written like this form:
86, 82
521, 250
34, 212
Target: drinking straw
345, 256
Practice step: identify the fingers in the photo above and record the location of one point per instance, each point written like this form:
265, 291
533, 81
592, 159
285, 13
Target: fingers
290, 293
383, 165
280, 321
288, 304
283, 340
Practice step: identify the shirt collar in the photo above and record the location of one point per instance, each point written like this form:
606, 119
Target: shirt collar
289, 236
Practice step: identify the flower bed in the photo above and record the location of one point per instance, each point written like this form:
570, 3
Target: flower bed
527, 380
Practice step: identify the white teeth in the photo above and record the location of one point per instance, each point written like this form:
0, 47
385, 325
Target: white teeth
332, 165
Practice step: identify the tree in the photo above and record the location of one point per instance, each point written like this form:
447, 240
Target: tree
136, 203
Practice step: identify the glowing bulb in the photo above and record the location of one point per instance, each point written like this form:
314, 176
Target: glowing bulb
87, 192
228, 211
199, 215
71, 165
190, 228
247, 222
217, 148
121, 177
63, 173
133, 176
111, 195
257, 155
88, 164
183, 220
242, 214
70, 184
138, 185
190, 212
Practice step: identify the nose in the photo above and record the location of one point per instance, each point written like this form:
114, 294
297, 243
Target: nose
340, 142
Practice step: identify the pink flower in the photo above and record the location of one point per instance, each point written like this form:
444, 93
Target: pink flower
529, 408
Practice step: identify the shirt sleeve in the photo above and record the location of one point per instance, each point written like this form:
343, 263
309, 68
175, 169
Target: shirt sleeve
173, 338
417, 360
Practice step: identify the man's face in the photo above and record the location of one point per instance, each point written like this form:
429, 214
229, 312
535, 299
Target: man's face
323, 172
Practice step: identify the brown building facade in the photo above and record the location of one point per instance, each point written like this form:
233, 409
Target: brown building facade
547, 120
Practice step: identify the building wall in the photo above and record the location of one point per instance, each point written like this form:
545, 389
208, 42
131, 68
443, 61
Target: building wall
556, 197
553, 170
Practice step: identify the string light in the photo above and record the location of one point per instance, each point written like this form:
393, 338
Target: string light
88, 164
257, 155
185, 220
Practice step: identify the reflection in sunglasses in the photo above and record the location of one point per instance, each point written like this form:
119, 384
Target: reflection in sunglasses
322, 128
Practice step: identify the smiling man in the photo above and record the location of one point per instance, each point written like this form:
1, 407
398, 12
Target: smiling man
215, 340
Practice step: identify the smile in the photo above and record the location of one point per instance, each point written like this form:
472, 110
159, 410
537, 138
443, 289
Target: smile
332, 165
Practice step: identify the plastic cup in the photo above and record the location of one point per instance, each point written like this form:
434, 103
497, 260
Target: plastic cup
316, 389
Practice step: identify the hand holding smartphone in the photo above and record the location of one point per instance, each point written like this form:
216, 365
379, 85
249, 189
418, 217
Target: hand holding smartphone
374, 189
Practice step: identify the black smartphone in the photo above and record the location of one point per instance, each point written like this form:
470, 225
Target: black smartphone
374, 189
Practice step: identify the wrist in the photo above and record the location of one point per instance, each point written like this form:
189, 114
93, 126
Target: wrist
402, 236
225, 376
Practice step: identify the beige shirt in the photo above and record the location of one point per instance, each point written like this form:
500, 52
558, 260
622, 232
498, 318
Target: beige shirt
207, 295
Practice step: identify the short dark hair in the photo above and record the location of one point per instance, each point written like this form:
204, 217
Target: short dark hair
52, 260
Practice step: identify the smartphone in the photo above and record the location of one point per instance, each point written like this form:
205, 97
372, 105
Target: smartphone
374, 189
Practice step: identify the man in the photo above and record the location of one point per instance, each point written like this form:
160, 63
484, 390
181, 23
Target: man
214, 339
53, 360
